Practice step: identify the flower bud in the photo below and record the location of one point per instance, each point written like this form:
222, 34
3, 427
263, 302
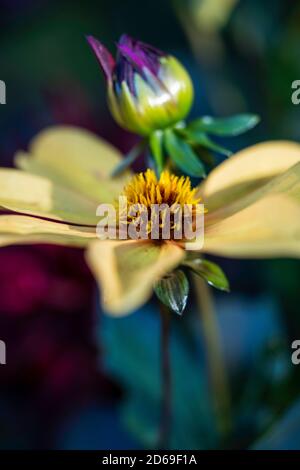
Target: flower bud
147, 89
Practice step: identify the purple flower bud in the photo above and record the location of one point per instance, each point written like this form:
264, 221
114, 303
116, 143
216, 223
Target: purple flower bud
147, 89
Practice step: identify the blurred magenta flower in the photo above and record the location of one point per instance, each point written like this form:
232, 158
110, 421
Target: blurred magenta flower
47, 282
147, 89
22, 291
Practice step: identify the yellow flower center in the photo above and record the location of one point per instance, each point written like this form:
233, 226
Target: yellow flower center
173, 195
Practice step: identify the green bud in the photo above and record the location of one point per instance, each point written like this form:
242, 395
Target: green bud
147, 89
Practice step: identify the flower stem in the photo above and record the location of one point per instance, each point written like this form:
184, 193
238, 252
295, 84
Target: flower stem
218, 378
166, 378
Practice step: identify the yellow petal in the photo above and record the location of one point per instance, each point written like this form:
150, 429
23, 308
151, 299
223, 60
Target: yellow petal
75, 158
30, 194
127, 270
264, 223
19, 229
246, 171
268, 228
287, 183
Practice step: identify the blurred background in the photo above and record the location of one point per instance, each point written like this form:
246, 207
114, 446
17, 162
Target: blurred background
76, 379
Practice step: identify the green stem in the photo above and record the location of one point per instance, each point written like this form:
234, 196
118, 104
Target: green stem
156, 147
164, 431
217, 370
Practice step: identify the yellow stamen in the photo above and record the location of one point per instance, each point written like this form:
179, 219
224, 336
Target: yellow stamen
145, 189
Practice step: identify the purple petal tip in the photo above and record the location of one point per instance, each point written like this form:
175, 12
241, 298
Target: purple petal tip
104, 57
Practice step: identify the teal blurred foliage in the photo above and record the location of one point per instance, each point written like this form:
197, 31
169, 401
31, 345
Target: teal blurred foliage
284, 435
243, 62
256, 354
132, 356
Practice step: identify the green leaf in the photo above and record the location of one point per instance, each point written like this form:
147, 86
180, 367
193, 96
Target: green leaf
134, 153
199, 138
226, 127
209, 271
183, 155
173, 290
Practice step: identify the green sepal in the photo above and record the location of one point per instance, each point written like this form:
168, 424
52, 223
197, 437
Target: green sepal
209, 271
130, 158
182, 154
225, 127
173, 291
200, 138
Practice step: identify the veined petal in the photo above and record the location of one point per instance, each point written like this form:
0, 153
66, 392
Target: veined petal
268, 228
19, 229
31, 194
263, 223
77, 159
127, 270
246, 171
285, 183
